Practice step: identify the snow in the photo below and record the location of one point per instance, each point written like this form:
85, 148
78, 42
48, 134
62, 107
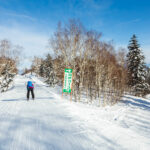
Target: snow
147, 96
52, 123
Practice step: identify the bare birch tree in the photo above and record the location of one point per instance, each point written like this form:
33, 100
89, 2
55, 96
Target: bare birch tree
98, 72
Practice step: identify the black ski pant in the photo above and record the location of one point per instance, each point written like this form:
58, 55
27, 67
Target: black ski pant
28, 93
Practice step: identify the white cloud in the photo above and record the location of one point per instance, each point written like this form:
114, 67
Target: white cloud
21, 16
130, 21
34, 43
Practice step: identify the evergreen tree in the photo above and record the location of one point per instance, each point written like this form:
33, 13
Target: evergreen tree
41, 69
148, 75
48, 70
136, 68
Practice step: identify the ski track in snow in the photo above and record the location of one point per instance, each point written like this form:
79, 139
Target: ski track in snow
52, 123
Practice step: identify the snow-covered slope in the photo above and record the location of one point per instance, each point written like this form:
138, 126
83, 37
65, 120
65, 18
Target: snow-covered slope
52, 123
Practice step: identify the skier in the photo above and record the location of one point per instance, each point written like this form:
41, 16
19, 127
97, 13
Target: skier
30, 88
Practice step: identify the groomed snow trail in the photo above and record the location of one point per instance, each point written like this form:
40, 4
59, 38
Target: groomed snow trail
50, 123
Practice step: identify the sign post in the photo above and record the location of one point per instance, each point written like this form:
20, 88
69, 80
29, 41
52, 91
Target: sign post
67, 84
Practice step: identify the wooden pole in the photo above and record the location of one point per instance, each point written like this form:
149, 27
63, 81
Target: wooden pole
63, 84
71, 88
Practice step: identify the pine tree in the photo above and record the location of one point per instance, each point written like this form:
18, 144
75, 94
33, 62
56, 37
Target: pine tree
48, 70
148, 75
136, 68
41, 69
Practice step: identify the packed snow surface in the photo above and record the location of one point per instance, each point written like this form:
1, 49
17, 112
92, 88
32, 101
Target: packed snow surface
52, 123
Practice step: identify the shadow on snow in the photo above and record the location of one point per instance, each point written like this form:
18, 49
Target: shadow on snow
24, 99
137, 102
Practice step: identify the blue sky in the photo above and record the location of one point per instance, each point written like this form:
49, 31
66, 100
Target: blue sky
30, 23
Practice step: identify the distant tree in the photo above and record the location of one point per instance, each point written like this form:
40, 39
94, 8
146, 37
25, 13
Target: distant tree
9, 59
5, 46
36, 64
16, 53
48, 71
136, 68
41, 69
148, 75
8, 72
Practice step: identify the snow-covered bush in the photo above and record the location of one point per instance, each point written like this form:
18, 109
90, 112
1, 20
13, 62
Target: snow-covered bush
7, 73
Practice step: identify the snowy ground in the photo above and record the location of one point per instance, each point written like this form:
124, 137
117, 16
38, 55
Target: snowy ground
51, 123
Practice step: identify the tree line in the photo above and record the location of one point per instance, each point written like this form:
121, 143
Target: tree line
9, 59
99, 72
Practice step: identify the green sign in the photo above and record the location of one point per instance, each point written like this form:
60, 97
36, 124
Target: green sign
67, 81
